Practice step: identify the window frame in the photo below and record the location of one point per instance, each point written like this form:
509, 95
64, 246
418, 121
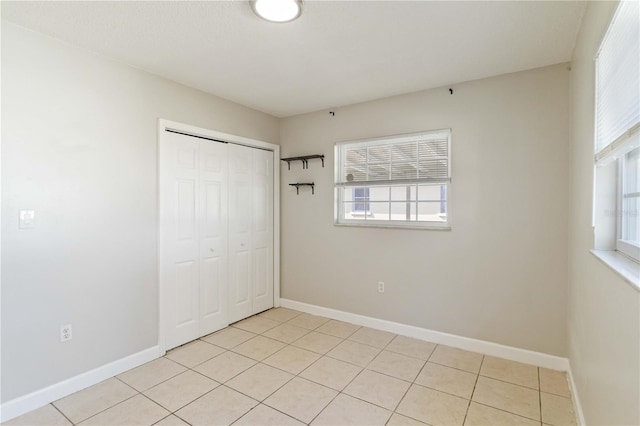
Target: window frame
339, 186
628, 248
616, 133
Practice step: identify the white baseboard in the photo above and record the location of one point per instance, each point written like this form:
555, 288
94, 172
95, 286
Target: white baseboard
42, 397
488, 348
577, 406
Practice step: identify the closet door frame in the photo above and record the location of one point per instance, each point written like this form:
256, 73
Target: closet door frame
163, 126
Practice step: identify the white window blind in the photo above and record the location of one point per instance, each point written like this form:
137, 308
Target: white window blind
415, 158
618, 84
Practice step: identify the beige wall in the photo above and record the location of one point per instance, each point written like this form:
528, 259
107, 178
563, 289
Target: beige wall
500, 274
79, 146
603, 310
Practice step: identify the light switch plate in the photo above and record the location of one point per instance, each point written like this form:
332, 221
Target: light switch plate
27, 219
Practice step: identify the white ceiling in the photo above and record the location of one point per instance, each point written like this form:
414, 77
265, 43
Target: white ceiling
337, 53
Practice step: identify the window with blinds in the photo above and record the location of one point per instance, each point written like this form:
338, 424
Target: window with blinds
617, 138
398, 180
618, 82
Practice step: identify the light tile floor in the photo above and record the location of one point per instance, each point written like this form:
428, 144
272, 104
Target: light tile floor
283, 367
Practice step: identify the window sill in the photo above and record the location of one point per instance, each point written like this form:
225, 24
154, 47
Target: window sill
444, 227
620, 264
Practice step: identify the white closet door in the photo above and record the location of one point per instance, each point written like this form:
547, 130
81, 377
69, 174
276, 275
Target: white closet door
216, 238
240, 233
213, 236
193, 246
179, 183
262, 209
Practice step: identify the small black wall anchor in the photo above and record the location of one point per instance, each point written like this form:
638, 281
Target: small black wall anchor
333, 114
451, 91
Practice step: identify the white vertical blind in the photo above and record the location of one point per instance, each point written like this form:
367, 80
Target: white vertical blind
618, 81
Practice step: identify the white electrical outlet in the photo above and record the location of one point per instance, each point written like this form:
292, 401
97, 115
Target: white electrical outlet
380, 286
66, 333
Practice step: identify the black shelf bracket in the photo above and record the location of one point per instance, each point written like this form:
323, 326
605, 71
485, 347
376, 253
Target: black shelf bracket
305, 160
298, 185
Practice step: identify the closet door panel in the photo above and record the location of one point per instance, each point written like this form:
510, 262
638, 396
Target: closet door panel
213, 236
179, 249
240, 233
262, 222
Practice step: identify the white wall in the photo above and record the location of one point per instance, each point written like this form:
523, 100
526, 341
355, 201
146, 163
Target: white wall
603, 310
79, 146
500, 274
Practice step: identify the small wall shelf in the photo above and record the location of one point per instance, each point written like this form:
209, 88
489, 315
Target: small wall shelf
298, 185
305, 160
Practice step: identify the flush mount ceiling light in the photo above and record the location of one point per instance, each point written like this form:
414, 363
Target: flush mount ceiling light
277, 10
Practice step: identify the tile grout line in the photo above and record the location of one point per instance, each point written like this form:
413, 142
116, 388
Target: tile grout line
102, 411
262, 315
456, 368
175, 413
502, 409
268, 406
341, 391
159, 383
236, 375
111, 406
271, 394
60, 411
404, 394
302, 378
473, 391
262, 402
539, 395
218, 384
294, 347
440, 391
158, 404
346, 337
310, 350
125, 383
202, 362
266, 397
508, 383
169, 415
366, 369
397, 378
325, 407
295, 340
412, 383
234, 346
506, 411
